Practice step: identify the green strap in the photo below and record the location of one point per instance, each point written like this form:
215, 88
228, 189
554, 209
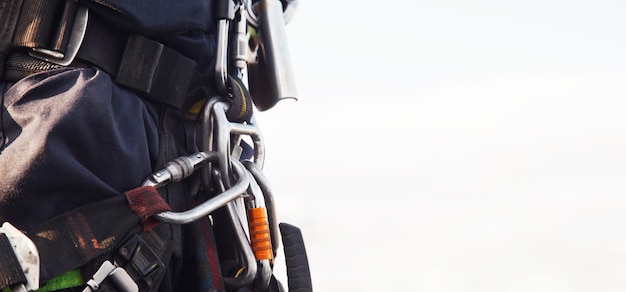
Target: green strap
70, 279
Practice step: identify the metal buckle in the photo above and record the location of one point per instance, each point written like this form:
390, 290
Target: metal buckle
76, 39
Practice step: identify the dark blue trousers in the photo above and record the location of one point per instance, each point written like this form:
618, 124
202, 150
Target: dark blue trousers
72, 137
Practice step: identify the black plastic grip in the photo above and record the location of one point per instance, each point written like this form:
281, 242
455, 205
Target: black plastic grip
298, 272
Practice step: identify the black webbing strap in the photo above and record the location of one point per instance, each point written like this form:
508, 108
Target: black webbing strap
9, 14
147, 66
155, 71
77, 237
11, 273
39, 26
36, 23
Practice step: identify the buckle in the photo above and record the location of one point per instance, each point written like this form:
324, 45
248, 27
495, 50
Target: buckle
140, 262
75, 40
136, 267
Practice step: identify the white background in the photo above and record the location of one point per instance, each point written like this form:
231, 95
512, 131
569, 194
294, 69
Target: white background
455, 145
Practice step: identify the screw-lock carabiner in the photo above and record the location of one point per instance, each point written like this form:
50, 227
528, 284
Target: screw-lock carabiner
183, 167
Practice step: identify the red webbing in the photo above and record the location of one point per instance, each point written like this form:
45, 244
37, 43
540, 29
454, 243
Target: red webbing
145, 202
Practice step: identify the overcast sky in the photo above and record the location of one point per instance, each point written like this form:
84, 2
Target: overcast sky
456, 145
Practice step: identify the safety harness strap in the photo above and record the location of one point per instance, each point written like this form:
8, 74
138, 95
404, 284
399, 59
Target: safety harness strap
77, 237
147, 66
155, 71
9, 14
38, 24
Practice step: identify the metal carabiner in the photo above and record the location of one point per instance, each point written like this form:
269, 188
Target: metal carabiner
259, 180
181, 168
262, 238
225, 13
218, 131
256, 271
249, 273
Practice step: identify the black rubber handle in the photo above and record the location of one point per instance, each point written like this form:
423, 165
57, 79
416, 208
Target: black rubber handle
298, 272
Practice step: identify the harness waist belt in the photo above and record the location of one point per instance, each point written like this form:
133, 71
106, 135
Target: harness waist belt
155, 71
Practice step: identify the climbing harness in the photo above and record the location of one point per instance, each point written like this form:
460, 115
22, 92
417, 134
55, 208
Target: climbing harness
231, 197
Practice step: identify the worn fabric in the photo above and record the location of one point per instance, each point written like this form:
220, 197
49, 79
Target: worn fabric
72, 137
